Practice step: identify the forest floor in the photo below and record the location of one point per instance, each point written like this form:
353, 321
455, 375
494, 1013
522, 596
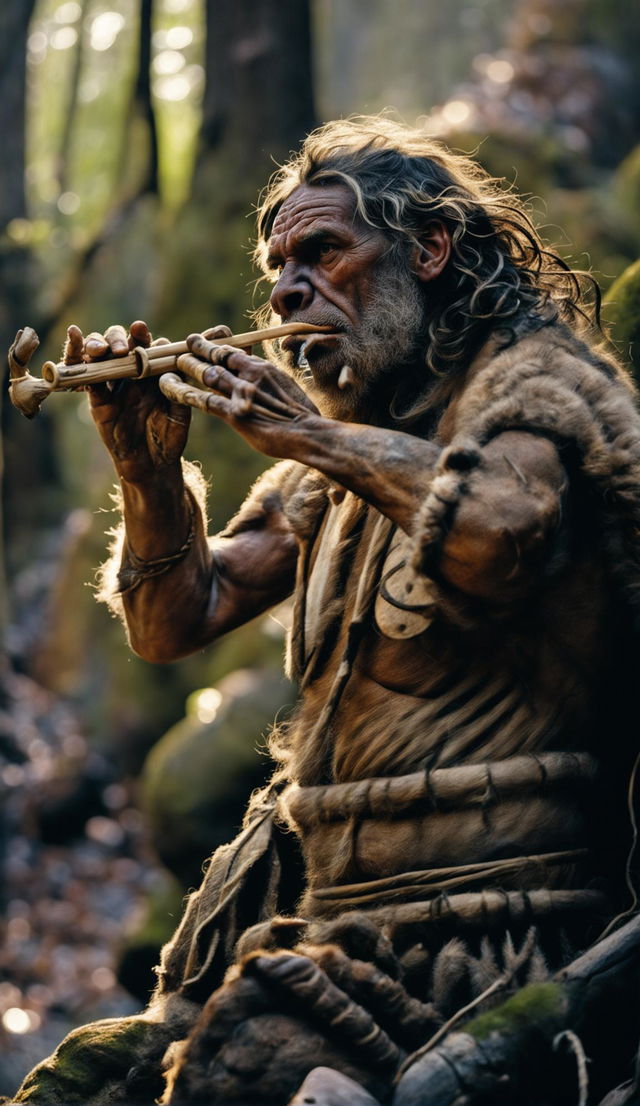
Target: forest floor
77, 873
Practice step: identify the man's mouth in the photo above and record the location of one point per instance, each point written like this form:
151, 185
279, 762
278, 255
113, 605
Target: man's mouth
301, 347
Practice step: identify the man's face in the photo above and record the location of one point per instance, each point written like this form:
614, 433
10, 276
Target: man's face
335, 270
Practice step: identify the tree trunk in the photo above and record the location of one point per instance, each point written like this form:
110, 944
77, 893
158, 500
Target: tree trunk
139, 153
258, 106
15, 16
258, 99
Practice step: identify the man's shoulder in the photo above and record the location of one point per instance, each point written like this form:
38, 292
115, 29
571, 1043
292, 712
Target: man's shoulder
542, 376
551, 347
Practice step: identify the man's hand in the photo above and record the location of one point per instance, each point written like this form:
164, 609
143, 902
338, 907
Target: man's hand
143, 431
258, 400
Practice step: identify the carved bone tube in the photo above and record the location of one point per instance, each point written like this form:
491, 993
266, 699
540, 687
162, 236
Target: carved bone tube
28, 392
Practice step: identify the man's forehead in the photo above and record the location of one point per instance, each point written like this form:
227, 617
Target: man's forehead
309, 205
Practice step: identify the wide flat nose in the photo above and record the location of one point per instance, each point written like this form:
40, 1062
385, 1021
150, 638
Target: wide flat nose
292, 292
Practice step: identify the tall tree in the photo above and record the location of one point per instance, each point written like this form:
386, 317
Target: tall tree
258, 105
15, 261
258, 98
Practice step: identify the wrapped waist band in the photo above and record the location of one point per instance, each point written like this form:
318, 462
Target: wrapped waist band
439, 789
433, 881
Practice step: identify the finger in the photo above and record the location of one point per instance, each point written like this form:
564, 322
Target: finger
73, 346
211, 376
237, 360
161, 342
217, 332
177, 391
139, 334
95, 346
116, 339
242, 398
309, 987
213, 351
218, 353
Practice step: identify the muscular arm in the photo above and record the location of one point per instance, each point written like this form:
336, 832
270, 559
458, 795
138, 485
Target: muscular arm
503, 527
497, 544
203, 588
220, 584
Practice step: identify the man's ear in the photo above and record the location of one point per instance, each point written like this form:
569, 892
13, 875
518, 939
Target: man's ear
430, 257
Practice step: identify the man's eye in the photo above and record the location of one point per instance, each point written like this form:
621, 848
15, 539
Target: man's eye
326, 249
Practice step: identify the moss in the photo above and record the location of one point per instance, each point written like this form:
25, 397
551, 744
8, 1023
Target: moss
622, 314
538, 1003
89, 1062
627, 186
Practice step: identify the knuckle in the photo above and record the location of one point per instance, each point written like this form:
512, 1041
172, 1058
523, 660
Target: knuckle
219, 331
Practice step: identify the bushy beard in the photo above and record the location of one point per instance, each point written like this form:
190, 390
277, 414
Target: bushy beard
387, 344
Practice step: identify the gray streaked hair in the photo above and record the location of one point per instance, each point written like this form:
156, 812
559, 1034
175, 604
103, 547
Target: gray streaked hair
403, 181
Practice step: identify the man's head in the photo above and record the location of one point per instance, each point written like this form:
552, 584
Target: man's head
334, 269
411, 252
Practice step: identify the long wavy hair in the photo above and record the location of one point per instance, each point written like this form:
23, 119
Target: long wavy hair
500, 274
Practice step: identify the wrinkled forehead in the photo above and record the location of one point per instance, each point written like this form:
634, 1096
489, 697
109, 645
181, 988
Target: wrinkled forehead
310, 206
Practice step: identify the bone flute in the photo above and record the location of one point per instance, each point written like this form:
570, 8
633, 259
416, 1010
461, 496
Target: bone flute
28, 392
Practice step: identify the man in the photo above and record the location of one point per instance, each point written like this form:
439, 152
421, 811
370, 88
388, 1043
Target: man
454, 514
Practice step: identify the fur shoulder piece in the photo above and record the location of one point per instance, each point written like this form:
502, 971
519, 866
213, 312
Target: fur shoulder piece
551, 383
300, 493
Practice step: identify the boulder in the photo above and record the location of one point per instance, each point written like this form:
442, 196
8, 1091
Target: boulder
198, 777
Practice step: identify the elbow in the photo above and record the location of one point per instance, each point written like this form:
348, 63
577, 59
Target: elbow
499, 564
483, 566
161, 650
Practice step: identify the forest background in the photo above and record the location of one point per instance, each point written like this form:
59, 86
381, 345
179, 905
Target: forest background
136, 137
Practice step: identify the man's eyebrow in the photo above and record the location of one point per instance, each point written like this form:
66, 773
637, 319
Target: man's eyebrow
306, 239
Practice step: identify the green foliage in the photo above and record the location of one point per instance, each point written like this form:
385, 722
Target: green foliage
627, 188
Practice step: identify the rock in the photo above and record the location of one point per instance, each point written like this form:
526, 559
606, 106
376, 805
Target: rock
327, 1087
627, 187
622, 313
197, 779
140, 951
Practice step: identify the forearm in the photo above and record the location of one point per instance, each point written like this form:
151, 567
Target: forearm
502, 531
189, 589
165, 571
389, 469
156, 513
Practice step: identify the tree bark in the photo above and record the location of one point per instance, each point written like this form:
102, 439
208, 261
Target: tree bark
258, 98
258, 106
140, 135
15, 16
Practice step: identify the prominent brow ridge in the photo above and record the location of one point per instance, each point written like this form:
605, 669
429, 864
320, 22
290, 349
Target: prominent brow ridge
306, 239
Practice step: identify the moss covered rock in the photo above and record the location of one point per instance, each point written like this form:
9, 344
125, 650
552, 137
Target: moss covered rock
622, 314
140, 951
197, 779
93, 1065
627, 187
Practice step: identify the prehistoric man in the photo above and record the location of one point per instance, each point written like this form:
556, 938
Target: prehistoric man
454, 513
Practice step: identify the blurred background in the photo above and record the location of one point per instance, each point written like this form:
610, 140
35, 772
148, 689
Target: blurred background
136, 136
